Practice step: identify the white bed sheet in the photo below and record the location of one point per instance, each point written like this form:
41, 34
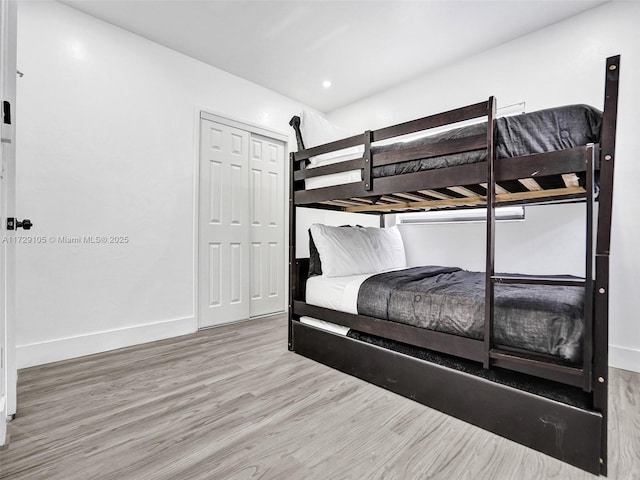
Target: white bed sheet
337, 293
334, 178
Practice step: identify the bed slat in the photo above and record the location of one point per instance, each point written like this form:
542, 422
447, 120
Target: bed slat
463, 191
478, 200
570, 180
531, 185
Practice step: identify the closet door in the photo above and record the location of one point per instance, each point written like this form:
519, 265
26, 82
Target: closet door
266, 183
223, 224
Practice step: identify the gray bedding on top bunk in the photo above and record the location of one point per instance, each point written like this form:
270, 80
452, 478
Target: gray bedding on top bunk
535, 132
538, 318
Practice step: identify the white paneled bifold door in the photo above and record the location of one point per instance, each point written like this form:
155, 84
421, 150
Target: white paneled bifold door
266, 184
241, 266
224, 224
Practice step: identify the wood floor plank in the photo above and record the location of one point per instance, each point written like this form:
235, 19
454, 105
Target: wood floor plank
233, 403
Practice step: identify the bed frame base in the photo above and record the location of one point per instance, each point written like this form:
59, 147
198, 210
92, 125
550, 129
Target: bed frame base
567, 433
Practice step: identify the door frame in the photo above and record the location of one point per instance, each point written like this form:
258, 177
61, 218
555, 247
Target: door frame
208, 114
8, 72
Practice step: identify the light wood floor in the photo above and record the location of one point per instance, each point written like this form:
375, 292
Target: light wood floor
233, 403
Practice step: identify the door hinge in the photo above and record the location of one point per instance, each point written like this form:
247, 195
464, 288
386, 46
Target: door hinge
5, 132
6, 112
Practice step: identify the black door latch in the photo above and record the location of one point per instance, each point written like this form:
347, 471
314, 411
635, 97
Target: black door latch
14, 224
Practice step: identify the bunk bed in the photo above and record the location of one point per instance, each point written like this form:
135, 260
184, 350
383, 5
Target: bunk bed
554, 403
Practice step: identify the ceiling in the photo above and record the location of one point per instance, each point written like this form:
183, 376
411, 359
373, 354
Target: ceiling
362, 47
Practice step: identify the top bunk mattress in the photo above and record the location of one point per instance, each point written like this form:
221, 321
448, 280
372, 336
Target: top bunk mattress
518, 135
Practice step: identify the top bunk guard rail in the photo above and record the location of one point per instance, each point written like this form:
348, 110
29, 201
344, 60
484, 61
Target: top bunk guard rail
427, 151
438, 120
379, 159
461, 114
328, 147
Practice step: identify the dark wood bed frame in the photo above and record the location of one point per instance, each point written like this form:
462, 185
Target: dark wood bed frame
575, 435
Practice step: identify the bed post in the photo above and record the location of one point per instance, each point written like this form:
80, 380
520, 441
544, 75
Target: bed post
295, 123
367, 171
603, 240
490, 246
587, 353
293, 272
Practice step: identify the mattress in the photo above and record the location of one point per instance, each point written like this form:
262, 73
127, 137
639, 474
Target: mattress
538, 318
518, 135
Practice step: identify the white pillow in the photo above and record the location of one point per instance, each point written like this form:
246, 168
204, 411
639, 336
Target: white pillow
317, 130
355, 250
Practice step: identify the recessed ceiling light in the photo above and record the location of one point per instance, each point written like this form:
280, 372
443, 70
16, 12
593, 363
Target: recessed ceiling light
326, 84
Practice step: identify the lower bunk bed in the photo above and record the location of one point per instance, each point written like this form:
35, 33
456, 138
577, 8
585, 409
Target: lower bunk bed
541, 319
522, 356
552, 417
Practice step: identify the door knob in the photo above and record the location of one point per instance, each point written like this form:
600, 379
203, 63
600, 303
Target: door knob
14, 224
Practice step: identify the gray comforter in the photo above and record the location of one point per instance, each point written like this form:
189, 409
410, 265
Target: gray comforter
538, 318
535, 132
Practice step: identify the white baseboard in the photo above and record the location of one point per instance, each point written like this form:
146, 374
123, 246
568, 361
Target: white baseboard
88, 344
72, 347
624, 358
3, 420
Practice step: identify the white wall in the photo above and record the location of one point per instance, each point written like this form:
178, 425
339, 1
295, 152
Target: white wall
107, 146
561, 64
521, 246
